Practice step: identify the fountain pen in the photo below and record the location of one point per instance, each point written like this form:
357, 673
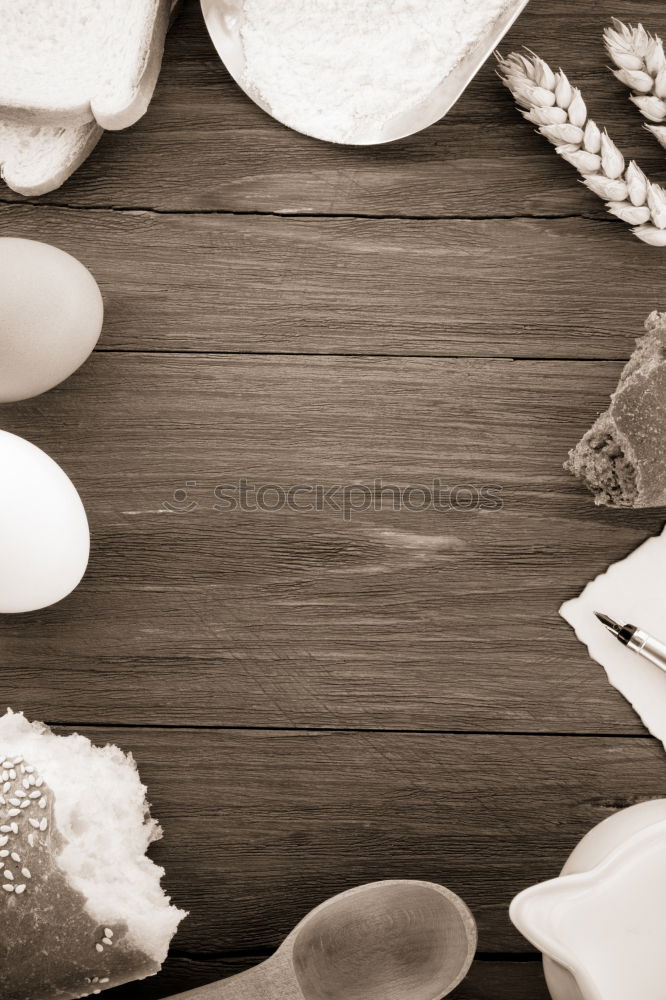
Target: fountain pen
637, 639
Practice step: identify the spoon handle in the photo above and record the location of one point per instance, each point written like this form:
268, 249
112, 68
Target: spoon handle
264, 982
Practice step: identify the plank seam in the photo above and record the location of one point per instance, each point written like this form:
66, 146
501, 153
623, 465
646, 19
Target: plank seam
316, 730
305, 216
179, 352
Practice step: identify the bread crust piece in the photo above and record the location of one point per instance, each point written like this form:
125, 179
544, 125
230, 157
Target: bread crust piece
622, 458
111, 106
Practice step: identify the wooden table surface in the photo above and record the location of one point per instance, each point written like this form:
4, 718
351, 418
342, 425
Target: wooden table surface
318, 701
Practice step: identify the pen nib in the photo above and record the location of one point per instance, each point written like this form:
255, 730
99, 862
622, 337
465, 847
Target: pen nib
608, 623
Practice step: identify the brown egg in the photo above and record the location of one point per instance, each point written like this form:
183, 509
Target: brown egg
51, 314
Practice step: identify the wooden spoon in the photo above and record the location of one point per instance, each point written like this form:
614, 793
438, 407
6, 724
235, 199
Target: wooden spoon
393, 940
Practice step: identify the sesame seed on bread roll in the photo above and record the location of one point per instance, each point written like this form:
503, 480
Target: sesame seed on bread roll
81, 906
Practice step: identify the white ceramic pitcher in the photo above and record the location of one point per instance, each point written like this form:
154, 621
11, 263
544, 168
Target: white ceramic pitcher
602, 924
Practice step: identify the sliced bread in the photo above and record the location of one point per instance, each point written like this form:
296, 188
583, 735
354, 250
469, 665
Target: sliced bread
35, 159
75, 62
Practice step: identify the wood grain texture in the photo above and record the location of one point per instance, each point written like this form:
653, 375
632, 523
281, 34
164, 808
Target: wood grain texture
204, 146
437, 619
531, 288
260, 827
283, 645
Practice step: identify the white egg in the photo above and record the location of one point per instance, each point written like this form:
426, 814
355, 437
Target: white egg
51, 314
44, 535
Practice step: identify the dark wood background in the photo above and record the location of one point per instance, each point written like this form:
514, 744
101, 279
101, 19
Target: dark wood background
315, 702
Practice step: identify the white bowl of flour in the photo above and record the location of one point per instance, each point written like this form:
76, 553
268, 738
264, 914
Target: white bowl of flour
358, 72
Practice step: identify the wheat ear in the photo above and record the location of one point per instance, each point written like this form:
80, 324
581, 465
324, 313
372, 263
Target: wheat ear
641, 66
560, 114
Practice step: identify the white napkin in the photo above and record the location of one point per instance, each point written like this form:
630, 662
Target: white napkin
631, 591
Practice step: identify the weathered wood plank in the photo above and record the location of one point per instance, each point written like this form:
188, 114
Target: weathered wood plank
518, 288
399, 619
486, 980
261, 826
405, 620
203, 145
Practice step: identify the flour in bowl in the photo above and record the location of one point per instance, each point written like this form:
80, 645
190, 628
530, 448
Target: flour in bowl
338, 68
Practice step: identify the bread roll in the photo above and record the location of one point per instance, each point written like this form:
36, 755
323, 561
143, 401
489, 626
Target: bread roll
81, 907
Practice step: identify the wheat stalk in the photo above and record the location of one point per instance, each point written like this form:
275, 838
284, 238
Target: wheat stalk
560, 114
641, 66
